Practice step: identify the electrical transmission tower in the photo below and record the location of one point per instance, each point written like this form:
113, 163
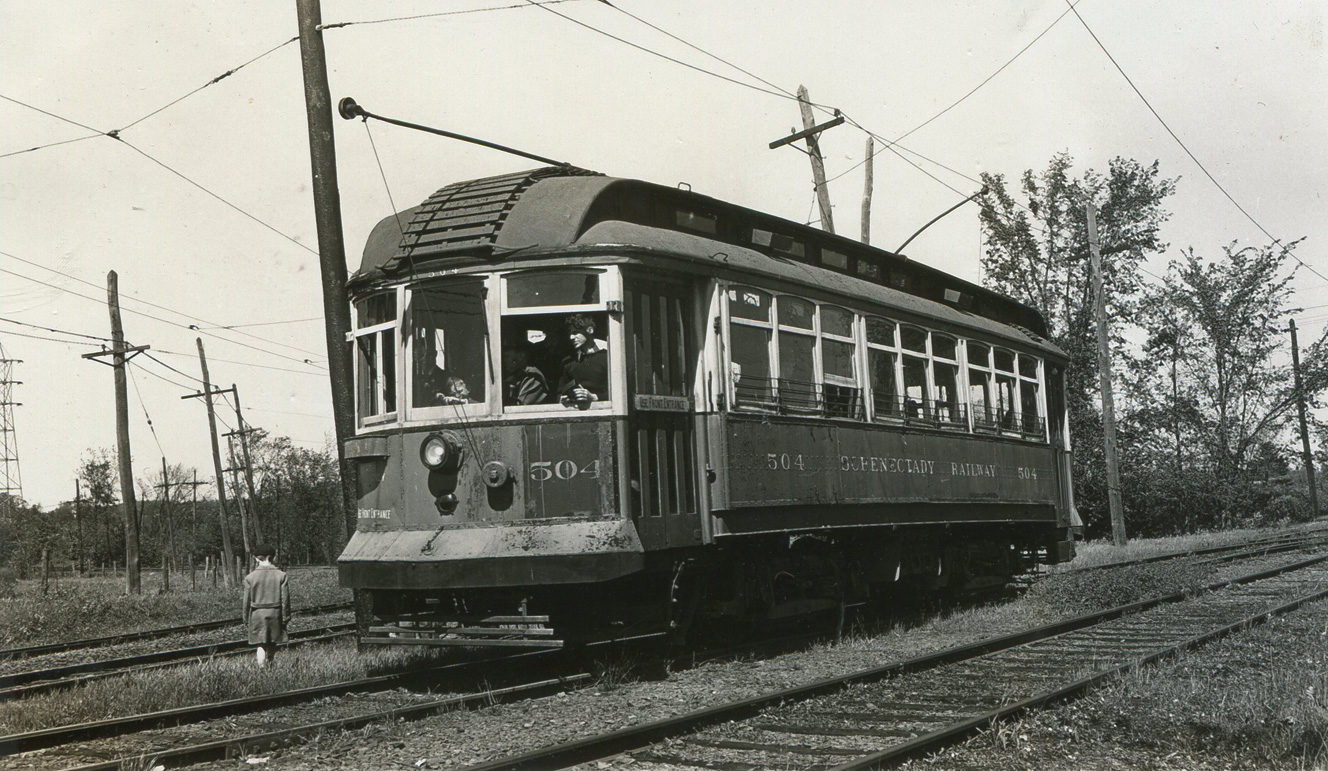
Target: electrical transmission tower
11, 484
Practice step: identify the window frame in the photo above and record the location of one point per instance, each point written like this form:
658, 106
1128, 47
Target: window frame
375, 331
439, 412
610, 303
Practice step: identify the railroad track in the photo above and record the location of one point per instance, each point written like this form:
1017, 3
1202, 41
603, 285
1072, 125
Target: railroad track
642, 735
877, 717
23, 684
150, 634
502, 669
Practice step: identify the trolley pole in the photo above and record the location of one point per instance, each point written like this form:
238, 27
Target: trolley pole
331, 248
1304, 430
1118, 536
118, 356
228, 568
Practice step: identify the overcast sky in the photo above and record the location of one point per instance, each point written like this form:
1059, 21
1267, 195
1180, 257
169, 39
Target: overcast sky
205, 211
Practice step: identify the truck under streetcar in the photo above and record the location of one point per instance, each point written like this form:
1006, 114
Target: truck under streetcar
783, 423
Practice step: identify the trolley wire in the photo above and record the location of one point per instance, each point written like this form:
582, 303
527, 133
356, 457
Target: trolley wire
141, 403
1183, 146
53, 329
149, 315
340, 24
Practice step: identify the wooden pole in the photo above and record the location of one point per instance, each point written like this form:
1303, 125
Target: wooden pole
1308, 458
867, 191
244, 432
134, 582
240, 502
168, 560
216, 465
1118, 536
818, 165
331, 248
78, 521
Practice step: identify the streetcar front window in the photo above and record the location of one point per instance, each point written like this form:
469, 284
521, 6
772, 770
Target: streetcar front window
449, 344
555, 332
375, 356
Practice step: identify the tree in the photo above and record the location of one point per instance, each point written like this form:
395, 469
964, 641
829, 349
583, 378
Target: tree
1232, 396
1038, 253
102, 539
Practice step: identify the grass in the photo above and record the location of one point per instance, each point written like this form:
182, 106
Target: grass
208, 681
80, 608
1092, 553
1255, 700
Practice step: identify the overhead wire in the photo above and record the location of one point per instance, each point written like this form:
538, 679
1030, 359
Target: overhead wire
340, 24
130, 369
53, 329
1183, 146
101, 301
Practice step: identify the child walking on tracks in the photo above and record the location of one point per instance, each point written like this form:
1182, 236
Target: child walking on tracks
266, 605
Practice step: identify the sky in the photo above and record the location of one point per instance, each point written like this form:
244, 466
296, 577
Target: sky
204, 208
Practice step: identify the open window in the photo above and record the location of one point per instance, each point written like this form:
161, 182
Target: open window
375, 339
555, 332
449, 346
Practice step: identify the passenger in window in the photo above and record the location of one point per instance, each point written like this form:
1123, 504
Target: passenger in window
522, 383
585, 374
457, 392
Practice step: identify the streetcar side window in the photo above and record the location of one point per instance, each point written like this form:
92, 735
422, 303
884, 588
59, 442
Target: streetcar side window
883, 362
980, 386
843, 396
916, 404
750, 330
1030, 406
375, 356
448, 344
945, 375
798, 387
1007, 407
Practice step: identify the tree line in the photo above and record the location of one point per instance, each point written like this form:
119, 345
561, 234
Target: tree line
297, 504
1206, 400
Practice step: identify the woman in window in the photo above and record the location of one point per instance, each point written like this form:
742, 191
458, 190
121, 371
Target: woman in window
585, 374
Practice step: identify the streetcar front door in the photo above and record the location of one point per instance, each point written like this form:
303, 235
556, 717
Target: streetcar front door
661, 364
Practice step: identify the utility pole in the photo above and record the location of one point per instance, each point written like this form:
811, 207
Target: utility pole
867, 191
240, 502
818, 165
331, 248
228, 568
1118, 536
119, 357
168, 562
1304, 430
11, 482
243, 432
78, 521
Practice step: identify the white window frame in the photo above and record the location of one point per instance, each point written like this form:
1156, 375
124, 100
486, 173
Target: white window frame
443, 412
375, 331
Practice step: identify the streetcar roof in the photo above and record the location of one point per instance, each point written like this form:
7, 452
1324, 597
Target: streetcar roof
553, 209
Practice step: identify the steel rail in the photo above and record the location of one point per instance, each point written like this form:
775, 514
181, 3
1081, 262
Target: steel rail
637, 737
149, 634
226, 749
23, 684
1254, 547
60, 735
961, 730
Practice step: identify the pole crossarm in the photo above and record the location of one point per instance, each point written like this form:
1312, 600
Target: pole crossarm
213, 392
814, 130
133, 351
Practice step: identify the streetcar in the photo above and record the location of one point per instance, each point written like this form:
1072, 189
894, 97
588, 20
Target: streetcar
591, 408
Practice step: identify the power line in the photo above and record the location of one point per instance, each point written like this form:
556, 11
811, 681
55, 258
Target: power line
212, 82
200, 186
134, 311
172, 369
43, 337
50, 114
51, 144
246, 363
53, 329
142, 404
336, 25
1194, 158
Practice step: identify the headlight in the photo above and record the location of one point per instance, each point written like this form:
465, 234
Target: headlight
437, 451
